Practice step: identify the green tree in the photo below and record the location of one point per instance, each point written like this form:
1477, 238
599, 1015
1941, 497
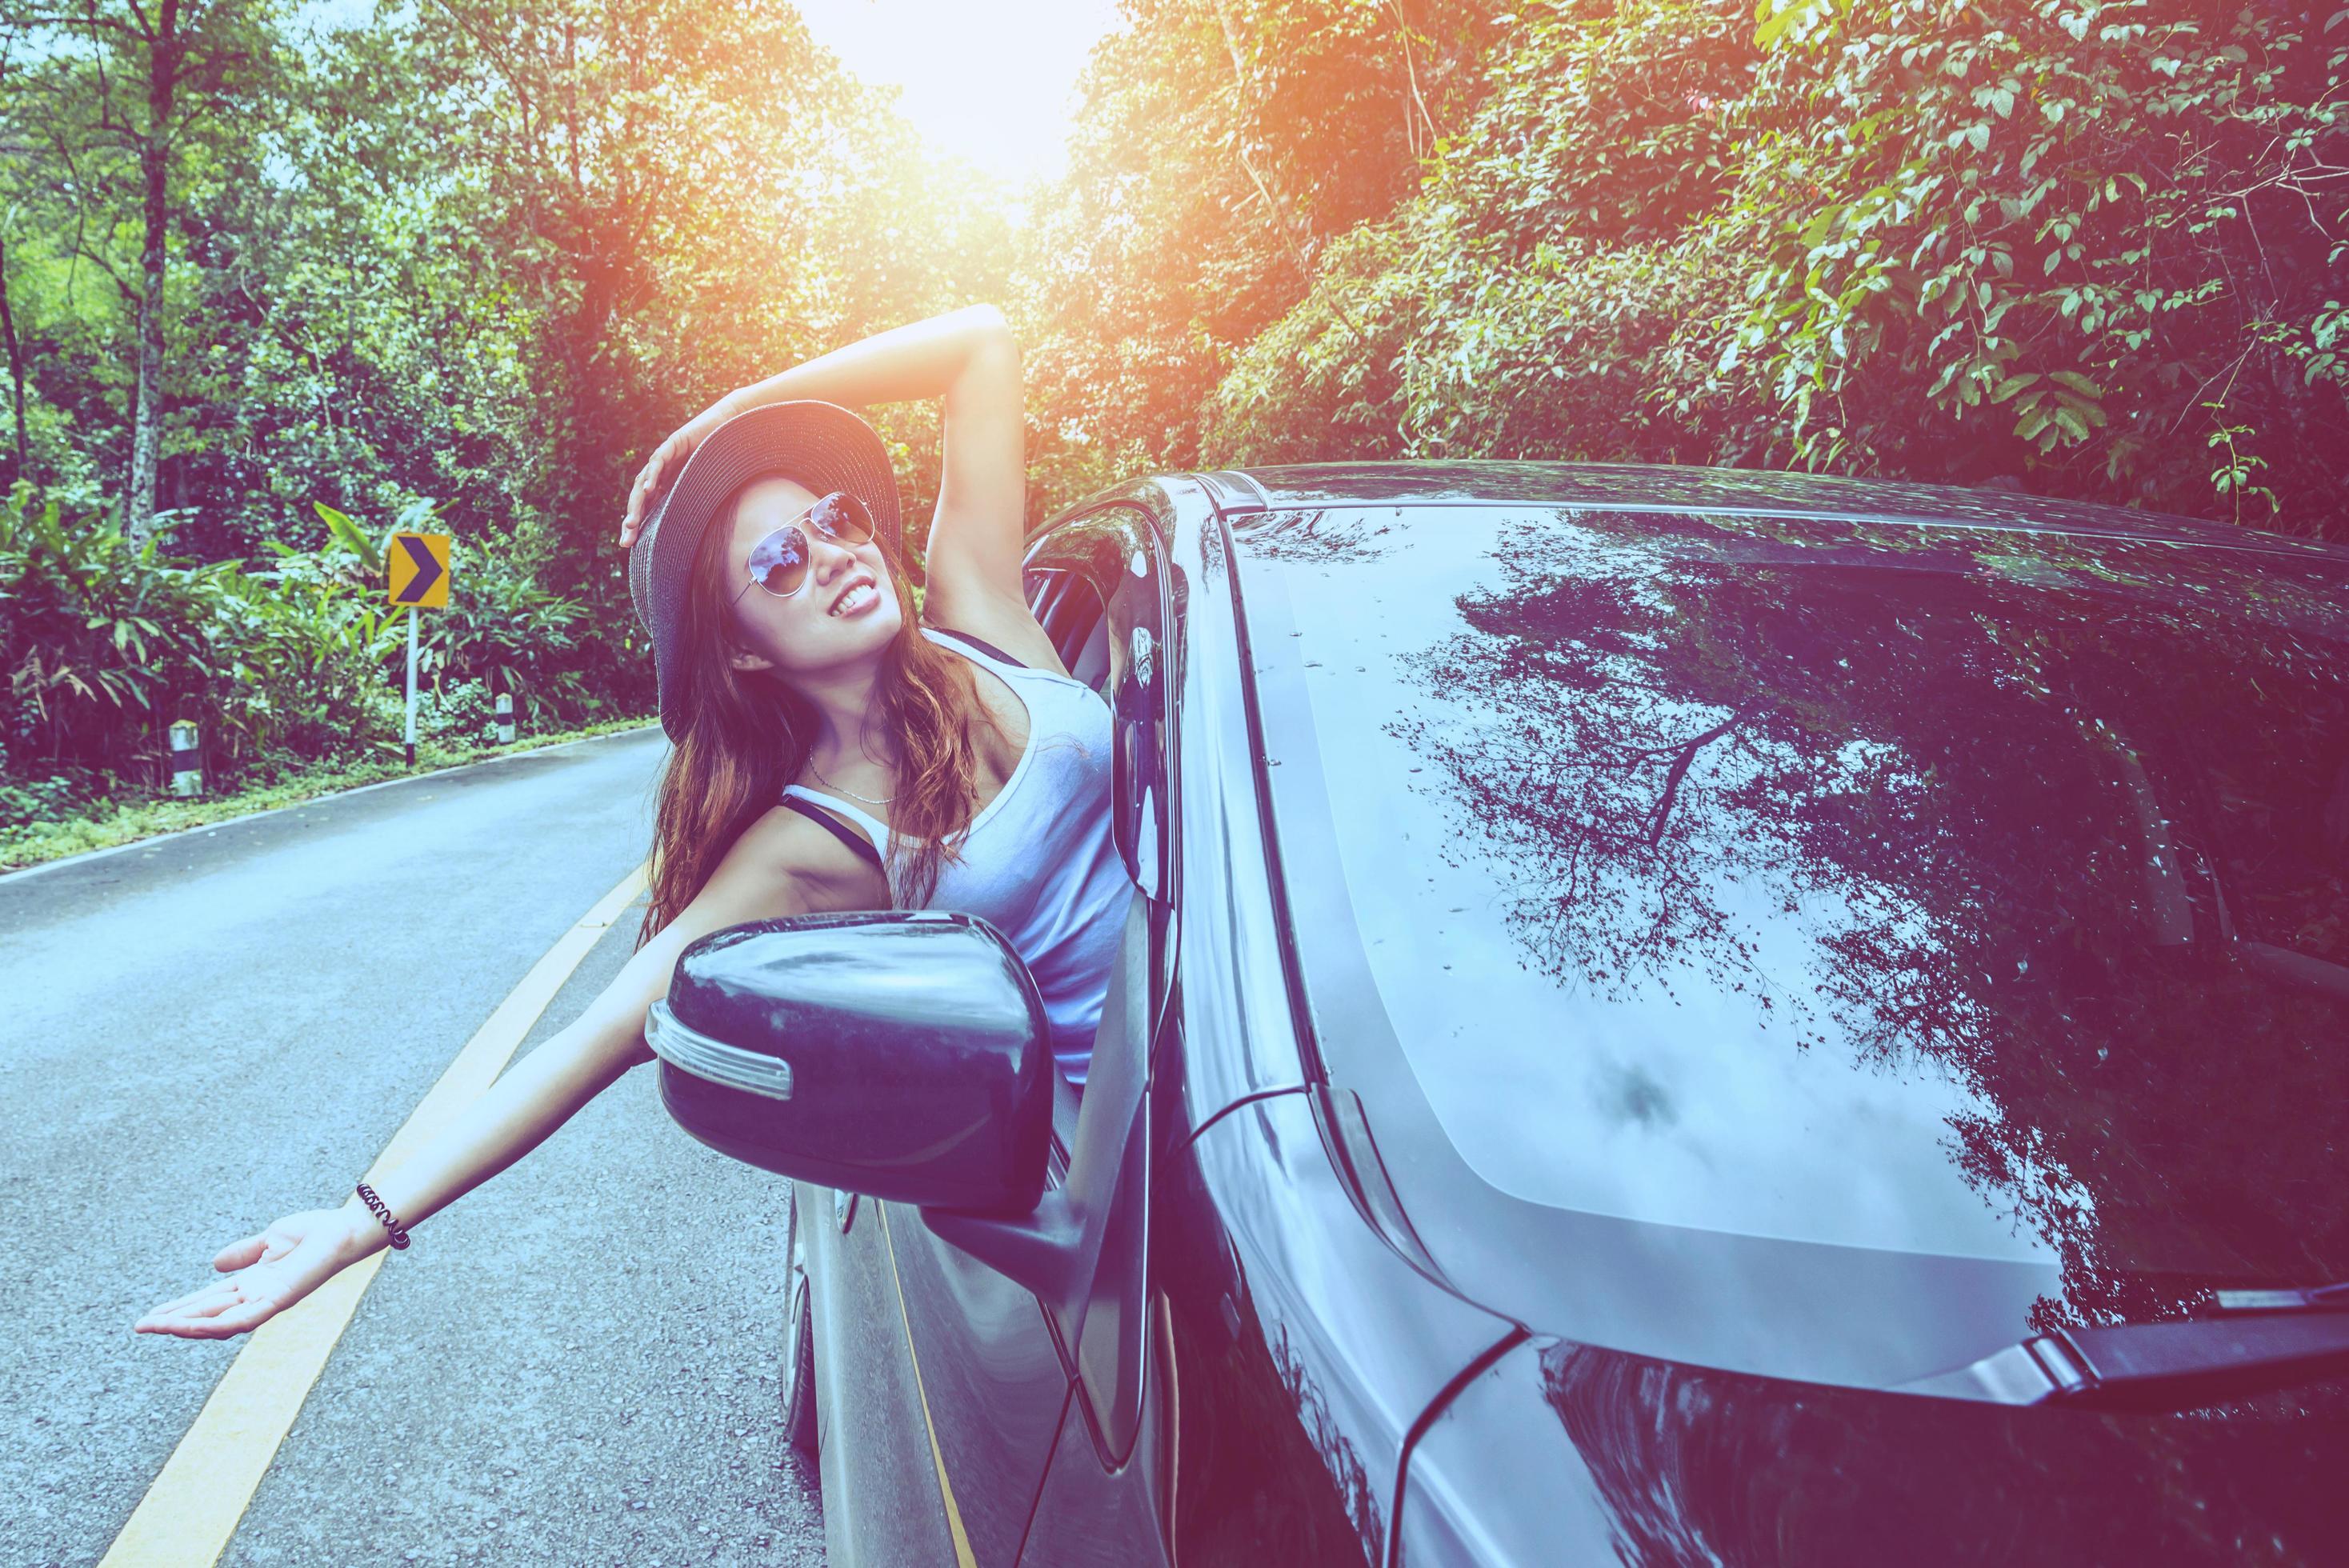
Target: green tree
1220, 149
2082, 245
128, 103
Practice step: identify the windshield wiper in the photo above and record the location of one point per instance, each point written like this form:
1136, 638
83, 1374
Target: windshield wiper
2322, 1299
2263, 1340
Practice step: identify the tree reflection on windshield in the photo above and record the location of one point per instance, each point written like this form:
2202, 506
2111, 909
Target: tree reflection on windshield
2064, 820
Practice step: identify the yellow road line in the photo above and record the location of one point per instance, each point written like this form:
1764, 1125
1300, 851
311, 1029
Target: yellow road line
963, 1558
193, 1506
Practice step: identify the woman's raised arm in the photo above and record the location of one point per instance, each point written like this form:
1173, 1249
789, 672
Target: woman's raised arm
966, 357
764, 875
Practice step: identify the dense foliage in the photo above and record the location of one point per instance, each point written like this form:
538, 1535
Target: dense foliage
1222, 146
471, 259
104, 642
467, 262
2091, 248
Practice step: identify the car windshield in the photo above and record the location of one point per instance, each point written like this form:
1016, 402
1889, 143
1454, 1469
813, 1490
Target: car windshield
1953, 890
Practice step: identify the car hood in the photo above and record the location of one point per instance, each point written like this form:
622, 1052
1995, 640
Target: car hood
1564, 1452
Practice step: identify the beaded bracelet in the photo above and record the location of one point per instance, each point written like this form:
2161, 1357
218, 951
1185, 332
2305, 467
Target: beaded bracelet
398, 1232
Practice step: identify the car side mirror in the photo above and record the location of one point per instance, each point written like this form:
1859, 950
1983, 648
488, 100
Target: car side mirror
901, 1054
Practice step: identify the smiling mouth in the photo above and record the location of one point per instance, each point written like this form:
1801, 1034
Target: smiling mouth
848, 594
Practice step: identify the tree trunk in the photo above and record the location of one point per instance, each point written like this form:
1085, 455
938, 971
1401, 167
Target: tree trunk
15, 369
154, 168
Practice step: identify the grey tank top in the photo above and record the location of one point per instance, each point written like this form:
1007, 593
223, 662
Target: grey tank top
1038, 861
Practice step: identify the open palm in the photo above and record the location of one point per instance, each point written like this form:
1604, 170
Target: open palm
267, 1274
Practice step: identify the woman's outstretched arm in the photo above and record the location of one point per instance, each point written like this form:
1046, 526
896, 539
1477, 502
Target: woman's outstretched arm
759, 878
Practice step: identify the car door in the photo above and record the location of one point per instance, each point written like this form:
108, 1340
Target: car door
992, 1373
1101, 1501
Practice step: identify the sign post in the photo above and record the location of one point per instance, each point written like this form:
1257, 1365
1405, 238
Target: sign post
417, 568
411, 691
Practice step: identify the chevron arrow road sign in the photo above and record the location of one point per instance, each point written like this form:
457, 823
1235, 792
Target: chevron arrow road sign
419, 568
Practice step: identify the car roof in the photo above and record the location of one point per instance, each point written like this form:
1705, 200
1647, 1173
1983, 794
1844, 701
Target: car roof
1653, 487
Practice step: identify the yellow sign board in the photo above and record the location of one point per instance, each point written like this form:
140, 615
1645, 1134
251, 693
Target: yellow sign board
418, 565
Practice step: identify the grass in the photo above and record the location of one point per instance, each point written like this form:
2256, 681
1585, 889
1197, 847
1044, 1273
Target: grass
106, 823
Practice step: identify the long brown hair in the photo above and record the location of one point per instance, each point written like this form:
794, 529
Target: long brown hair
746, 734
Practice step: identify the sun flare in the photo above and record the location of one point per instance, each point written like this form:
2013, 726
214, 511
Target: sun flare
990, 83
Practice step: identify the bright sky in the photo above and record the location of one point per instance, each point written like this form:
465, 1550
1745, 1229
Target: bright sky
992, 82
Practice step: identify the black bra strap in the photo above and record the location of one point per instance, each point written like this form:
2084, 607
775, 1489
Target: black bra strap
990, 649
840, 830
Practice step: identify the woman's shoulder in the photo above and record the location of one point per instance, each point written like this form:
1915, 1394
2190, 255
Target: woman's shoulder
785, 843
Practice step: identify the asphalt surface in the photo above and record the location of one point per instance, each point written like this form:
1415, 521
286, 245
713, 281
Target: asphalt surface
576, 1363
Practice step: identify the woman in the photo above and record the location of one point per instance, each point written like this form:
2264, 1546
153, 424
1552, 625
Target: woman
803, 701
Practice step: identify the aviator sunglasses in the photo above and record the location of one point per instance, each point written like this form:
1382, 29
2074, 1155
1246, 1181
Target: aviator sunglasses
778, 562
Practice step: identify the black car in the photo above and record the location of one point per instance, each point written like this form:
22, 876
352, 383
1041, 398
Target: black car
1678, 1015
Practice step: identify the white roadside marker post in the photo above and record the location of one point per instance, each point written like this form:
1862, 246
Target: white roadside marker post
187, 763
505, 719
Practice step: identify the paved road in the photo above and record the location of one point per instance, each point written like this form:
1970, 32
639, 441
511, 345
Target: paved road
574, 1363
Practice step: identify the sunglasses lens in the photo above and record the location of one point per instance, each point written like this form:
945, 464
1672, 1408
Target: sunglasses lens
779, 561
842, 516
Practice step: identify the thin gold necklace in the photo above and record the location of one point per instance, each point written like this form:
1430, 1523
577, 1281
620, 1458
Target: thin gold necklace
868, 800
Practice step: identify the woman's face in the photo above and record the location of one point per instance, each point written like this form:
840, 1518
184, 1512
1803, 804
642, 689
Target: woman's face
801, 632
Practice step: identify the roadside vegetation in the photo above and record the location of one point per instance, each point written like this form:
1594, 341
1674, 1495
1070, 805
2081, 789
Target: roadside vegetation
2084, 248
254, 321
104, 823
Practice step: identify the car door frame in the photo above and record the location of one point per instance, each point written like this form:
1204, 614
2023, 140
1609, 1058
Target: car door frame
1107, 1345
1108, 1495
